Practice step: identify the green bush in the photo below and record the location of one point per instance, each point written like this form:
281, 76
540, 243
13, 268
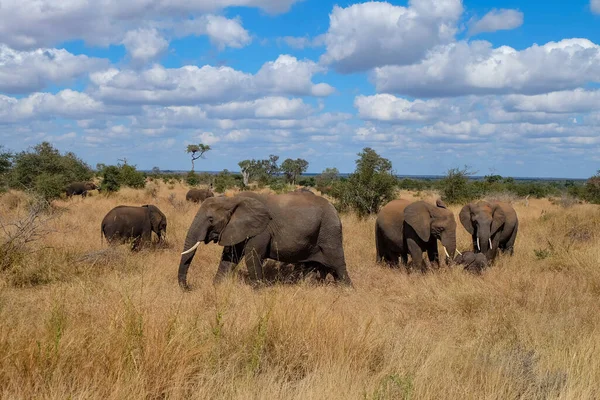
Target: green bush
111, 180
456, 188
43, 169
192, 179
592, 189
131, 177
5, 166
225, 180
370, 186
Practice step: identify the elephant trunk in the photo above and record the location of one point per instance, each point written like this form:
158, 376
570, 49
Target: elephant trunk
483, 243
196, 234
449, 242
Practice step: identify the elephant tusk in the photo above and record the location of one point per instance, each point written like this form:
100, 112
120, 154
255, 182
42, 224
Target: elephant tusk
194, 247
446, 251
478, 247
459, 253
491, 244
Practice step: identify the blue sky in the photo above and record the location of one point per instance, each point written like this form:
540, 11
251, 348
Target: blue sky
509, 87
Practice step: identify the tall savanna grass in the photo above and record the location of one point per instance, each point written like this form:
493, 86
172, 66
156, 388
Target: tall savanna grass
82, 321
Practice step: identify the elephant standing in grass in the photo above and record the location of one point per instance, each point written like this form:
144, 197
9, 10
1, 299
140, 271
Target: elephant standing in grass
80, 188
403, 227
198, 195
292, 228
124, 223
493, 226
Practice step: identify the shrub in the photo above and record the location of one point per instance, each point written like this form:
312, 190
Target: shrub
111, 181
592, 189
224, 180
192, 179
370, 186
131, 177
5, 165
42, 169
456, 188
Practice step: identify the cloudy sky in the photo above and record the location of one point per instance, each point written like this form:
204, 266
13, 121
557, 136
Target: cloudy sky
503, 86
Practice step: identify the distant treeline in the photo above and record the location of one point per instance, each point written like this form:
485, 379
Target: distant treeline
44, 171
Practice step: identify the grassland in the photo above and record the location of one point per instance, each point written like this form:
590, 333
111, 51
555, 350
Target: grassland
80, 322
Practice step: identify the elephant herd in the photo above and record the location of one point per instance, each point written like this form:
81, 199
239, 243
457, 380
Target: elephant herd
304, 229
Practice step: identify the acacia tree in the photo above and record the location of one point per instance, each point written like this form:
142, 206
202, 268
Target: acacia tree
293, 168
249, 169
197, 151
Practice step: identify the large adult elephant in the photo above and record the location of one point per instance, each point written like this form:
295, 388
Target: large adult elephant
124, 223
403, 227
493, 226
80, 188
292, 228
198, 195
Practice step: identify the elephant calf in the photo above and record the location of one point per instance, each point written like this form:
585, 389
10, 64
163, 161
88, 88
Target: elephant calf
198, 195
80, 188
473, 262
125, 223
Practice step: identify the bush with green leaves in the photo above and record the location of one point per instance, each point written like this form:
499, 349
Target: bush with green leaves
226, 180
5, 166
371, 186
46, 172
131, 177
592, 189
455, 186
192, 179
325, 180
111, 179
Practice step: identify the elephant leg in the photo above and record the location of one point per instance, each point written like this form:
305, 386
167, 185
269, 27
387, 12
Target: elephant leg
254, 254
510, 244
432, 253
232, 255
416, 253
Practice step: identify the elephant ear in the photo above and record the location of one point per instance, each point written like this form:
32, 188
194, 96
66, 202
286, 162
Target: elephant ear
249, 217
418, 216
498, 218
155, 215
439, 203
465, 219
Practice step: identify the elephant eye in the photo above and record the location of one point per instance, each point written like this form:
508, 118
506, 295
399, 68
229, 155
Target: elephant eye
210, 219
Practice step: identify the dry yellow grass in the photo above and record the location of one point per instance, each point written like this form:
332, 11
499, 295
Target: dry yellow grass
117, 326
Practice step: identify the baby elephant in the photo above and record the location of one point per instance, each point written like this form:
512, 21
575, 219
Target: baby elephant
125, 223
473, 262
80, 188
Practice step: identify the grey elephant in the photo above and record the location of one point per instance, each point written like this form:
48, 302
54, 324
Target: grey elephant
292, 228
493, 226
198, 195
80, 188
403, 227
472, 262
136, 224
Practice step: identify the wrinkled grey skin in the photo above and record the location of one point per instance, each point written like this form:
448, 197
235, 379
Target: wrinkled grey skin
491, 220
403, 227
198, 195
124, 223
292, 228
80, 188
472, 262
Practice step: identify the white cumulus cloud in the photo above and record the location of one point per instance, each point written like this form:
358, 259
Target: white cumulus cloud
222, 32
28, 71
478, 68
595, 6
367, 35
497, 20
197, 85
144, 45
